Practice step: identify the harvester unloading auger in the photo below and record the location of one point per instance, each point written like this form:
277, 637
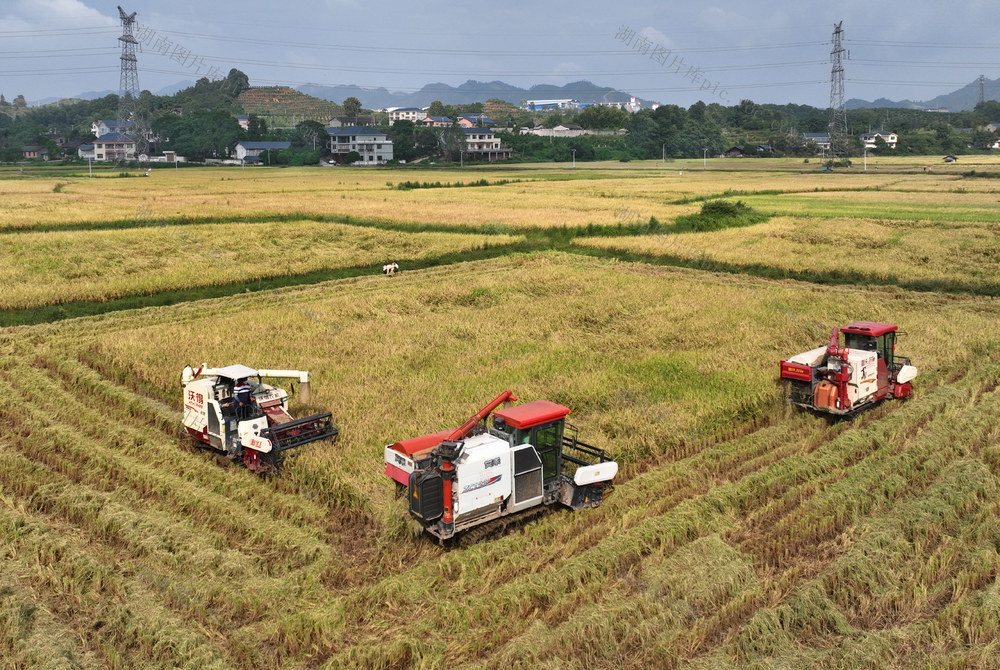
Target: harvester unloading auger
467, 477
230, 410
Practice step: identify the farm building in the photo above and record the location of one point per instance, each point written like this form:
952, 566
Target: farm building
251, 151
35, 152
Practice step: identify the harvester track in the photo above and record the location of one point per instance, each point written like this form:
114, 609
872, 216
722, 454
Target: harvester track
501, 526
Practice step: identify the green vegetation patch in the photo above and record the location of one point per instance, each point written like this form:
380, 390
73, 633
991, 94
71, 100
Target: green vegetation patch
410, 185
718, 215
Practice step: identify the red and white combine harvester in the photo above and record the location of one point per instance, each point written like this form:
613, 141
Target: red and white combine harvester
232, 411
470, 476
849, 378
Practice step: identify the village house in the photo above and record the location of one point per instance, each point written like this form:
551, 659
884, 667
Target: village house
250, 152
821, 140
435, 121
114, 146
103, 127
890, 139
374, 146
345, 121
406, 114
474, 120
482, 144
35, 152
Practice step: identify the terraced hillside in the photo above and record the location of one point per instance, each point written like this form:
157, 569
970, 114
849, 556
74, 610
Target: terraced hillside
284, 104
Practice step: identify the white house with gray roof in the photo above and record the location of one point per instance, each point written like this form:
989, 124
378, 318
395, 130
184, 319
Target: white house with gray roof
374, 146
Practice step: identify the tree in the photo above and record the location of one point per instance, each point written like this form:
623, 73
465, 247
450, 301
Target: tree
256, 127
19, 101
988, 110
599, 116
552, 120
199, 134
425, 140
352, 107
983, 139
3, 101
310, 135
452, 143
236, 83
437, 109
401, 134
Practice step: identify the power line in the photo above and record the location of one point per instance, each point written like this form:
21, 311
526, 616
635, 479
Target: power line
896, 82
74, 56
924, 45
13, 34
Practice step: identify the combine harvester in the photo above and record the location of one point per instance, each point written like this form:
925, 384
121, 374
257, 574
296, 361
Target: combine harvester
481, 480
256, 429
849, 379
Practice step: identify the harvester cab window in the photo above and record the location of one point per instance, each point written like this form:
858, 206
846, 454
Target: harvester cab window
860, 342
886, 343
547, 439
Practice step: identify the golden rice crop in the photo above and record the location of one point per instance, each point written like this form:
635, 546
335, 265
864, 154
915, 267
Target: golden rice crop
962, 256
786, 541
54, 267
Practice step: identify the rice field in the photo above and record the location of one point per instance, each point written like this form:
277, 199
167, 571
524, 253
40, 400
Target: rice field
740, 534
98, 265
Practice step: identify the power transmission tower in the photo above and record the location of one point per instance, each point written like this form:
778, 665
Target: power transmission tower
128, 90
982, 88
838, 112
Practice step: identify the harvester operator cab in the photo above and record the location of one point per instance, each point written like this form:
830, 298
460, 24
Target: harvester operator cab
883, 345
237, 397
546, 438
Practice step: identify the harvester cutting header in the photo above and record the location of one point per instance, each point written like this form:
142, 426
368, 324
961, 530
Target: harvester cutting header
469, 476
232, 411
849, 378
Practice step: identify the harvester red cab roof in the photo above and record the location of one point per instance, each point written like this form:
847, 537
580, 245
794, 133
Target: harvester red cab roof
531, 413
873, 328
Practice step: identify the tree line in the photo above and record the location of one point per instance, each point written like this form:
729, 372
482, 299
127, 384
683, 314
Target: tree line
200, 122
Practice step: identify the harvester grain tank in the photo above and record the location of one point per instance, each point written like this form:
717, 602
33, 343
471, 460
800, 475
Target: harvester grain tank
849, 378
257, 429
473, 475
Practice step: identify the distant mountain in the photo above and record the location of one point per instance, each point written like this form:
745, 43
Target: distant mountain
174, 88
470, 91
857, 103
94, 95
961, 100
87, 95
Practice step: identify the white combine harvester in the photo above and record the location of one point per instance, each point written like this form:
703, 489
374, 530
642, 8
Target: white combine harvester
256, 428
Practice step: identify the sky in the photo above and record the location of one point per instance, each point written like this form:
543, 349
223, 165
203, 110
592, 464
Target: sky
725, 51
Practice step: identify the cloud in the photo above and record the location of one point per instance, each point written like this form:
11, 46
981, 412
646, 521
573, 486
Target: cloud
654, 35
716, 18
62, 11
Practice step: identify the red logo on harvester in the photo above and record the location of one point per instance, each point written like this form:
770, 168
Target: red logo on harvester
481, 484
195, 400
